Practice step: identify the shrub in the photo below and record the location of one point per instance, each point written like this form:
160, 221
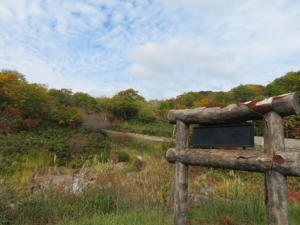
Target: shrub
149, 130
93, 122
77, 144
120, 138
146, 116
123, 157
66, 115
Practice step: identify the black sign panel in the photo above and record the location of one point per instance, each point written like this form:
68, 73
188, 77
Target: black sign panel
237, 135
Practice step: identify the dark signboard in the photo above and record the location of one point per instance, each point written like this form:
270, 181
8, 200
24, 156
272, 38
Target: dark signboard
237, 135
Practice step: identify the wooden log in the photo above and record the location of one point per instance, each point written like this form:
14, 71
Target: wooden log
181, 176
287, 163
276, 192
284, 105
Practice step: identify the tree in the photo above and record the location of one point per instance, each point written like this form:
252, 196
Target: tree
256, 89
242, 93
86, 101
123, 107
221, 97
177, 106
188, 98
31, 99
131, 94
288, 83
63, 96
146, 116
103, 103
20, 76
164, 105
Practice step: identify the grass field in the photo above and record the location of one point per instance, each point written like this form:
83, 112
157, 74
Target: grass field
136, 191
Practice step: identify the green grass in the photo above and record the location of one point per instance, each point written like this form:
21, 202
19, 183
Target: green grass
146, 197
158, 129
130, 217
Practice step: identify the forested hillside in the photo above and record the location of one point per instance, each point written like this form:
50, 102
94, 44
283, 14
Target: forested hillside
24, 105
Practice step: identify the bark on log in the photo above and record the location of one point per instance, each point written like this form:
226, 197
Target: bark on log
181, 176
276, 196
287, 163
284, 105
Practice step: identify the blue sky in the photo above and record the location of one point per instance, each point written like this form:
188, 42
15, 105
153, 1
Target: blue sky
161, 48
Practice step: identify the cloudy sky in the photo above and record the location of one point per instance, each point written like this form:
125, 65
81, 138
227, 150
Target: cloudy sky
161, 48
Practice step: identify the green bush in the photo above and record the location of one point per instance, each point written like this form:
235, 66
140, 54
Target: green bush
123, 157
149, 130
146, 116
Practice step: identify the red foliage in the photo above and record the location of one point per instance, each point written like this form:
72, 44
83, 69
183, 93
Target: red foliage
212, 104
225, 220
14, 112
71, 125
30, 124
293, 196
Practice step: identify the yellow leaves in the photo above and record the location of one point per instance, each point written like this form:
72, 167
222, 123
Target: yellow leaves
197, 104
61, 122
203, 101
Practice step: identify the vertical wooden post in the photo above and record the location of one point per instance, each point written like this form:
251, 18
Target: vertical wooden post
181, 176
276, 193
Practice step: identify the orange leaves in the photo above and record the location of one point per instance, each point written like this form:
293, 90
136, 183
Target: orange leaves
177, 106
164, 112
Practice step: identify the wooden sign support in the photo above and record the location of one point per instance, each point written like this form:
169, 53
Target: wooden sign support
274, 161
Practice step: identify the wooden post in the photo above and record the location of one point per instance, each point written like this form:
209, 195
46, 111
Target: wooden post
276, 193
181, 176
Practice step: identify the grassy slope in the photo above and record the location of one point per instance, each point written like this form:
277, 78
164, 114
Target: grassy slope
140, 193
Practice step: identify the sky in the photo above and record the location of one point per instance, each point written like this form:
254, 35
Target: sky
161, 48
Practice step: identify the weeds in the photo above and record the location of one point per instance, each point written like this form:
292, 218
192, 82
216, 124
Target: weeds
91, 190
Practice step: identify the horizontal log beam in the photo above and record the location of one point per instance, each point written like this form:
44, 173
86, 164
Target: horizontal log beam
284, 105
285, 163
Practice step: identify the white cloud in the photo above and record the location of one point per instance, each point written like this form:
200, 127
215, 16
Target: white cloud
182, 62
161, 48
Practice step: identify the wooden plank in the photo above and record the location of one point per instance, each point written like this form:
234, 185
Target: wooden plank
284, 105
276, 192
181, 176
287, 163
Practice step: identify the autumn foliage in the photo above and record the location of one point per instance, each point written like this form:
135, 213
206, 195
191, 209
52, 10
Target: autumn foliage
25, 104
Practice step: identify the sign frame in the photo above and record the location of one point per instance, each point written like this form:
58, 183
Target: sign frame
236, 127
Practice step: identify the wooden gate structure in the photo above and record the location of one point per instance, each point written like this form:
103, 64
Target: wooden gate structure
273, 161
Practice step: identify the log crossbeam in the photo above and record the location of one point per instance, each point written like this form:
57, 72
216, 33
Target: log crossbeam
285, 163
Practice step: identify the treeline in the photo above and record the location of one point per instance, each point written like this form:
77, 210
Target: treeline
24, 105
